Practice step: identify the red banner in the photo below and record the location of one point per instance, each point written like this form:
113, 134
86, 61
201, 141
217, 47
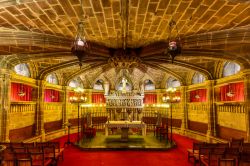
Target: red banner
232, 92
51, 95
98, 98
150, 99
199, 95
21, 92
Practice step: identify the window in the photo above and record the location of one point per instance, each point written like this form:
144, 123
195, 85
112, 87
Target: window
52, 79
149, 85
198, 78
76, 83
98, 85
22, 69
172, 82
230, 68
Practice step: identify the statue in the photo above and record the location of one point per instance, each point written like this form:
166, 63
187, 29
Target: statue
124, 83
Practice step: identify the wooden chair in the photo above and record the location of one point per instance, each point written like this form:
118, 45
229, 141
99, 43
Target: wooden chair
50, 153
58, 150
236, 143
226, 162
204, 155
222, 145
89, 132
8, 157
194, 152
23, 159
27, 145
38, 159
244, 158
232, 153
157, 131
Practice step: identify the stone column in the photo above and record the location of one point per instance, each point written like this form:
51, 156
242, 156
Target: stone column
183, 106
106, 88
64, 107
246, 76
40, 109
211, 131
5, 86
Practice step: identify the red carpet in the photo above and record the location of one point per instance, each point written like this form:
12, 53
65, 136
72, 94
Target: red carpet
174, 157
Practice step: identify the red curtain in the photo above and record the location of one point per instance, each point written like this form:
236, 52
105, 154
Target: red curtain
199, 95
98, 98
16, 88
150, 98
51, 95
237, 90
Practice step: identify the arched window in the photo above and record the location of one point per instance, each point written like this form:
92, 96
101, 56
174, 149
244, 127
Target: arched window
172, 82
22, 69
52, 79
98, 85
149, 85
76, 83
198, 78
120, 85
230, 68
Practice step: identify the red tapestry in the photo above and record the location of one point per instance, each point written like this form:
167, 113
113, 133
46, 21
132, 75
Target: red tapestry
199, 95
175, 95
51, 95
21, 92
98, 98
232, 92
150, 99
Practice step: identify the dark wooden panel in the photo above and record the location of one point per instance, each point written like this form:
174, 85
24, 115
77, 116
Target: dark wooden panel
99, 120
175, 122
227, 133
52, 126
197, 126
21, 134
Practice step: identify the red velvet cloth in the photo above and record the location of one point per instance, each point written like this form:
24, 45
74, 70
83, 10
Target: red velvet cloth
237, 90
98, 98
16, 88
51, 95
176, 94
150, 99
199, 95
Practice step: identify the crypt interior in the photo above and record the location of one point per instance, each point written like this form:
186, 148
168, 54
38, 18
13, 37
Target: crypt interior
89, 67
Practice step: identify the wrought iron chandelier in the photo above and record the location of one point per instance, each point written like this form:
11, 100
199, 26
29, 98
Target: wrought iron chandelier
80, 45
174, 45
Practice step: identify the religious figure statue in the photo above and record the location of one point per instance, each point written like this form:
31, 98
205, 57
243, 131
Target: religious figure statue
124, 82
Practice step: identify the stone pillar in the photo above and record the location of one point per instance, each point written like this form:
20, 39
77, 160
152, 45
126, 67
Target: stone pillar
183, 106
246, 76
211, 131
106, 88
40, 109
64, 107
5, 86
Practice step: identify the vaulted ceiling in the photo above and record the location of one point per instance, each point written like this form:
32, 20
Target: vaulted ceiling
41, 32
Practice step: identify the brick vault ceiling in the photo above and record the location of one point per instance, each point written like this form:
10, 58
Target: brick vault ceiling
211, 31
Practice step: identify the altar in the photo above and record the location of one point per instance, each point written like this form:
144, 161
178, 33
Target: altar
124, 126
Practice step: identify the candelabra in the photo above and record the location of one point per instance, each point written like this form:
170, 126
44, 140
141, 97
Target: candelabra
171, 98
78, 97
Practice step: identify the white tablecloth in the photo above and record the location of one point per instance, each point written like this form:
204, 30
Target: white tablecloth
125, 124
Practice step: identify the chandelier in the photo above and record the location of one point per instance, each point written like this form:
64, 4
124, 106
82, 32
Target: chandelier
124, 59
80, 46
174, 45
